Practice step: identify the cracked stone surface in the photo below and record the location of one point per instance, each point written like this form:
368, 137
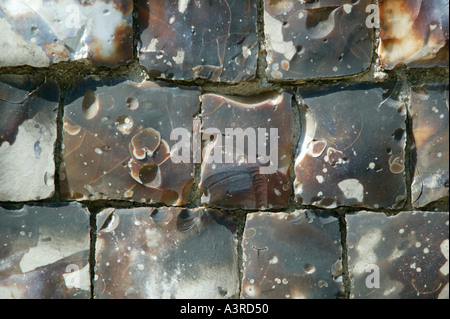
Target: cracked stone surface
351, 152
316, 39
41, 33
117, 141
28, 110
186, 39
429, 113
400, 257
293, 256
414, 33
44, 252
247, 153
164, 253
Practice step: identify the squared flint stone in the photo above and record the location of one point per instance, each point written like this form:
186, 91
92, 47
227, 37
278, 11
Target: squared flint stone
399, 257
413, 33
165, 253
429, 114
28, 111
117, 141
243, 182
41, 33
44, 252
187, 39
352, 148
317, 39
291, 256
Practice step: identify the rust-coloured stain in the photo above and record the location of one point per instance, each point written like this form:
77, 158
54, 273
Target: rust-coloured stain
415, 33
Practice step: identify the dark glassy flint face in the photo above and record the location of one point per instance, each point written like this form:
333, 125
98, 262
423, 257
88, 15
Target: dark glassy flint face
28, 110
241, 183
352, 147
41, 33
215, 40
400, 257
44, 252
314, 39
164, 253
293, 256
414, 33
429, 113
117, 141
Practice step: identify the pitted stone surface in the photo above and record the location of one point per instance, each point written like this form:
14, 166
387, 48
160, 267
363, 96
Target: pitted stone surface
316, 39
291, 256
28, 111
352, 149
41, 33
400, 257
44, 252
165, 253
234, 128
413, 33
117, 142
188, 39
429, 113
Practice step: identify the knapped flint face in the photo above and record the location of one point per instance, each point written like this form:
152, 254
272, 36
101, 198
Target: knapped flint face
241, 183
352, 149
429, 113
154, 253
316, 39
414, 33
117, 141
291, 256
42, 33
215, 40
28, 110
44, 252
399, 257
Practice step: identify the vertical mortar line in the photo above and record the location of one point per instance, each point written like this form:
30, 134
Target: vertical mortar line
262, 54
345, 268
295, 102
240, 220
92, 250
195, 197
409, 148
136, 38
58, 147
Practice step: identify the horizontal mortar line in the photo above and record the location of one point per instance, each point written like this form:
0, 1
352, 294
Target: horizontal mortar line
130, 205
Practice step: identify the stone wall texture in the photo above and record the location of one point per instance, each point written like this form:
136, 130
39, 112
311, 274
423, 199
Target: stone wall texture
251, 149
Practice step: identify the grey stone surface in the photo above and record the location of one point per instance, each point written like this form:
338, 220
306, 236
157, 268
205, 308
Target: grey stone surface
352, 148
429, 114
316, 39
118, 140
44, 252
215, 40
165, 253
291, 256
400, 257
247, 150
28, 110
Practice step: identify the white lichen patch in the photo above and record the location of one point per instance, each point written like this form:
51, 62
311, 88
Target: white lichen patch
352, 188
275, 39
